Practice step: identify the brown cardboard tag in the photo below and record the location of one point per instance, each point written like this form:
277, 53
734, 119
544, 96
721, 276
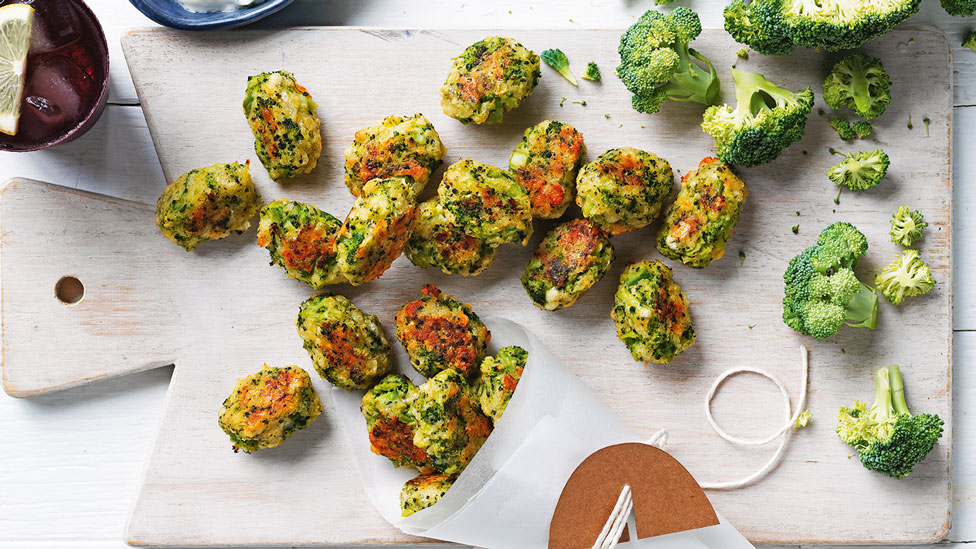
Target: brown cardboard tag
667, 498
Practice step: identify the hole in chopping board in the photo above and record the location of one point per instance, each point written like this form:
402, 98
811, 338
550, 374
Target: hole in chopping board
69, 290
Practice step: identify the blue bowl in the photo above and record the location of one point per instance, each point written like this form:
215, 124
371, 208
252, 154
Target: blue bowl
171, 14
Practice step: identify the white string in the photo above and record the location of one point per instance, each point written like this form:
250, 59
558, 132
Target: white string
783, 432
613, 529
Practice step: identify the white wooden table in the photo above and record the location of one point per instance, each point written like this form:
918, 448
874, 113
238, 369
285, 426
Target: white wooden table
70, 462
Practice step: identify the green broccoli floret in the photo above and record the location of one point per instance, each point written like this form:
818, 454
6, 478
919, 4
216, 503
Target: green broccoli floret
970, 41
843, 128
862, 129
959, 8
591, 73
848, 131
556, 59
656, 63
907, 226
775, 27
907, 276
742, 53
859, 83
888, 438
822, 291
859, 171
766, 120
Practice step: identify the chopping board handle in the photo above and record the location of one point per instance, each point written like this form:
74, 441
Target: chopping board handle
77, 299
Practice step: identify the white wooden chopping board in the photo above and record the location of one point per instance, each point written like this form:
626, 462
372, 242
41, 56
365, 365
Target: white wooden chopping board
221, 312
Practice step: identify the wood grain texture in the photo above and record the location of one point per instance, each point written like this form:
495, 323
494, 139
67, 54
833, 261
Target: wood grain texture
233, 296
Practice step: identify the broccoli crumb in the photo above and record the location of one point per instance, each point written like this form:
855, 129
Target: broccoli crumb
795, 229
926, 121
802, 419
751, 326
561, 102
798, 214
910, 122
970, 41
833, 151
591, 72
606, 115
742, 257
742, 54
805, 153
583, 102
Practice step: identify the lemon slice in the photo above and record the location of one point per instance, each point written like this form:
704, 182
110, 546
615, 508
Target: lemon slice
15, 30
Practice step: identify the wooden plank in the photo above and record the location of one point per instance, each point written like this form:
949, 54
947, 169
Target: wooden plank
190, 447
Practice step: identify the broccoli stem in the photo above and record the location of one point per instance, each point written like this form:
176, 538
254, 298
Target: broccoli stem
859, 85
747, 84
698, 85
897, 390
862, 310
881, 410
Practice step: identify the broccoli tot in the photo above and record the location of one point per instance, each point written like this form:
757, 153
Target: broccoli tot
859, 83
859, 171
907, 226
766, 120
656, 63
500, 376
970, 41
959, 8
822, 291
907, 276
775, 27
887, 437
651, 313
556, 59
591, 73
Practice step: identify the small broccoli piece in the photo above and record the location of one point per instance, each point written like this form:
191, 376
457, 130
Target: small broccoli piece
742, 54
926, 121
802, 420
887, 437
859, 83
662, 2
907, 276
862, 129
775, 27
860, 170
910, 126
970, 41
907, 226
796, 229
591, 73
959, 8
848, 131
821, 289
766, 120
843, 128
656, 63
556, 59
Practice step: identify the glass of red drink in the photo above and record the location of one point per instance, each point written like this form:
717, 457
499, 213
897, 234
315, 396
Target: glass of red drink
67, 75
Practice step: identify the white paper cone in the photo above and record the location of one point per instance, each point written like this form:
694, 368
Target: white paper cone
506, 496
